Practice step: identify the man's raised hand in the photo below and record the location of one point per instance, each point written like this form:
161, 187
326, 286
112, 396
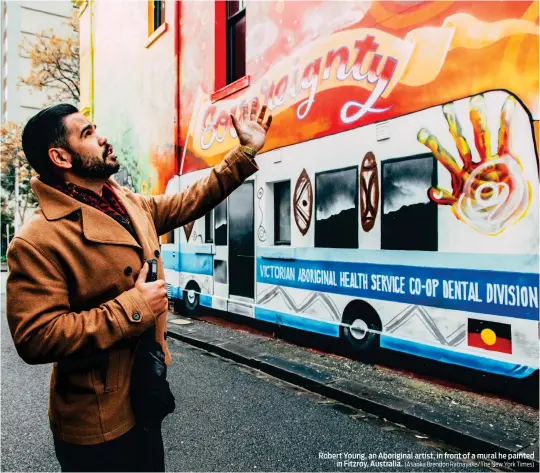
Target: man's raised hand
251, 132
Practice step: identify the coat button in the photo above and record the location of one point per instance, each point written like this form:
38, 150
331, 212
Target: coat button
128, 270
156, 254
136, 316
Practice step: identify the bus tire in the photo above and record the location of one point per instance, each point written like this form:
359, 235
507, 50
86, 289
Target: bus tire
178, 305
191, 299
358, 319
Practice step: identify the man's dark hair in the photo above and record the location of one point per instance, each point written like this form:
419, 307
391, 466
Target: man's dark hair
44, 130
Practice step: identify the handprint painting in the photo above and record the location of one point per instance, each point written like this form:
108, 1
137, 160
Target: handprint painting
489, 194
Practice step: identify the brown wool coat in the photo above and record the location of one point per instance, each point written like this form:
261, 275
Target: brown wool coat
71, 298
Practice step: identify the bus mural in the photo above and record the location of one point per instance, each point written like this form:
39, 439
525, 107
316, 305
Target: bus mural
396, 204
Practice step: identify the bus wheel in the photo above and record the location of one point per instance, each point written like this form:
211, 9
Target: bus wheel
191, 299
360, 319
178, 305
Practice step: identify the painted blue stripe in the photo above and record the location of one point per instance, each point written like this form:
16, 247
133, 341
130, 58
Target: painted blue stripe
279, 252
188, 262
176, 292
169, 259
458, 358
205, 300
295, 321
291, 274
482, 261
191, 248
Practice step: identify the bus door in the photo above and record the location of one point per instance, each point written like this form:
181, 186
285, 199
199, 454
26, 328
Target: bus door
242, 249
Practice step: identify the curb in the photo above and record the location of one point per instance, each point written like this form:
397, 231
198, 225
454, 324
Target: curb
397, 410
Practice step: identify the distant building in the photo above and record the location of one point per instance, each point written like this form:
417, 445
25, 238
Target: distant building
19, 20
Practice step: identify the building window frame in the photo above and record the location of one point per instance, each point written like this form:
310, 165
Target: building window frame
157, 26
157, 15
224, 86
81, 5
232, 21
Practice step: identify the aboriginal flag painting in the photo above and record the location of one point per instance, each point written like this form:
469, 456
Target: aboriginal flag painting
493, 336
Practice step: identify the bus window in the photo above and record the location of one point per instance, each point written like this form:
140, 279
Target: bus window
220, 271
336, 215
282, 213
209, 227
409, 218
220, 223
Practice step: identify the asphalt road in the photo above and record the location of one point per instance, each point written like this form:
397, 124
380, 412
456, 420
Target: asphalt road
228, 418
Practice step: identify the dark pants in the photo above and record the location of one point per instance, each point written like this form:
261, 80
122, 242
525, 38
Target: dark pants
136, 450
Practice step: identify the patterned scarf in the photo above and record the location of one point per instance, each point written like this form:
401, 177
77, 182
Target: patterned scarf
108, 202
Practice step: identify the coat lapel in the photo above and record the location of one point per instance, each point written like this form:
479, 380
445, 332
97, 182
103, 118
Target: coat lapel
100, 228
97, 226
136, 216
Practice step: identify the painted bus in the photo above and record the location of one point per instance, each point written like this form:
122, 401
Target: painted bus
396, 204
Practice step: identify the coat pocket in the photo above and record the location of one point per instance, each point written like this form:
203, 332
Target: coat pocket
79, 375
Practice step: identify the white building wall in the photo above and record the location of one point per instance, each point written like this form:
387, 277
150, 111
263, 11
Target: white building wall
25, 19
3, 58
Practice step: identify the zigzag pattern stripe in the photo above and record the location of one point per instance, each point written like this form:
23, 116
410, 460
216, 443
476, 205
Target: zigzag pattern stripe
311, 299
406, 314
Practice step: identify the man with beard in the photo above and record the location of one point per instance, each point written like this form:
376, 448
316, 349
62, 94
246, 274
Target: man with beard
77, 294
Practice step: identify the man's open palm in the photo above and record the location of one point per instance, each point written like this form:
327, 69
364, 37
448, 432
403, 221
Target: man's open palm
251, 132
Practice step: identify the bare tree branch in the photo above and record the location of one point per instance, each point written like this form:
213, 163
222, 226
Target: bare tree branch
13, 161
55, 64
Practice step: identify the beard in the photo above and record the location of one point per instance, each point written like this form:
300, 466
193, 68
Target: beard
93, 166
